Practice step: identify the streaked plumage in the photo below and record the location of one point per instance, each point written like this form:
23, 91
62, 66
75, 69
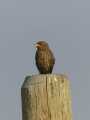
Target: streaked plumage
44, 58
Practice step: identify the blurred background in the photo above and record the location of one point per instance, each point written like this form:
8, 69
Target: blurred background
65, 25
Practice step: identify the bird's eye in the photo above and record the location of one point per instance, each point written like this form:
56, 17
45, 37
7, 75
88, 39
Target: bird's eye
40, 43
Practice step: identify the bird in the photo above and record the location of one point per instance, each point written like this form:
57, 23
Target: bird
44, 58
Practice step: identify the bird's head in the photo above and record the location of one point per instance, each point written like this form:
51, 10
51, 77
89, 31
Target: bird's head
41, 45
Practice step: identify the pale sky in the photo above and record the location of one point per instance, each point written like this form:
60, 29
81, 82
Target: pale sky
65, 25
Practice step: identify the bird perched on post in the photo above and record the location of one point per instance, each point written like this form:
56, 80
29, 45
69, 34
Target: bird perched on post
44, 58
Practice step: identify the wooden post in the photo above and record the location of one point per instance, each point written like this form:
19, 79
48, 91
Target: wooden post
46, 97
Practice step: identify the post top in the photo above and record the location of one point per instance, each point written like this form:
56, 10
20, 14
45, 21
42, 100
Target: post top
43, 79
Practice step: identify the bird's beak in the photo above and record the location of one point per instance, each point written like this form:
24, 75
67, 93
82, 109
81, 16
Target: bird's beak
36, 45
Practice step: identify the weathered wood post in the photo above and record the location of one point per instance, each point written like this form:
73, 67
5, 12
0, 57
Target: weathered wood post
46, 97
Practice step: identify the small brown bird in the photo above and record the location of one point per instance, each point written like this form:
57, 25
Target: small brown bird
44, 58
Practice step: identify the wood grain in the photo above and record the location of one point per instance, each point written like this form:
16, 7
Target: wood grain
46, 97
